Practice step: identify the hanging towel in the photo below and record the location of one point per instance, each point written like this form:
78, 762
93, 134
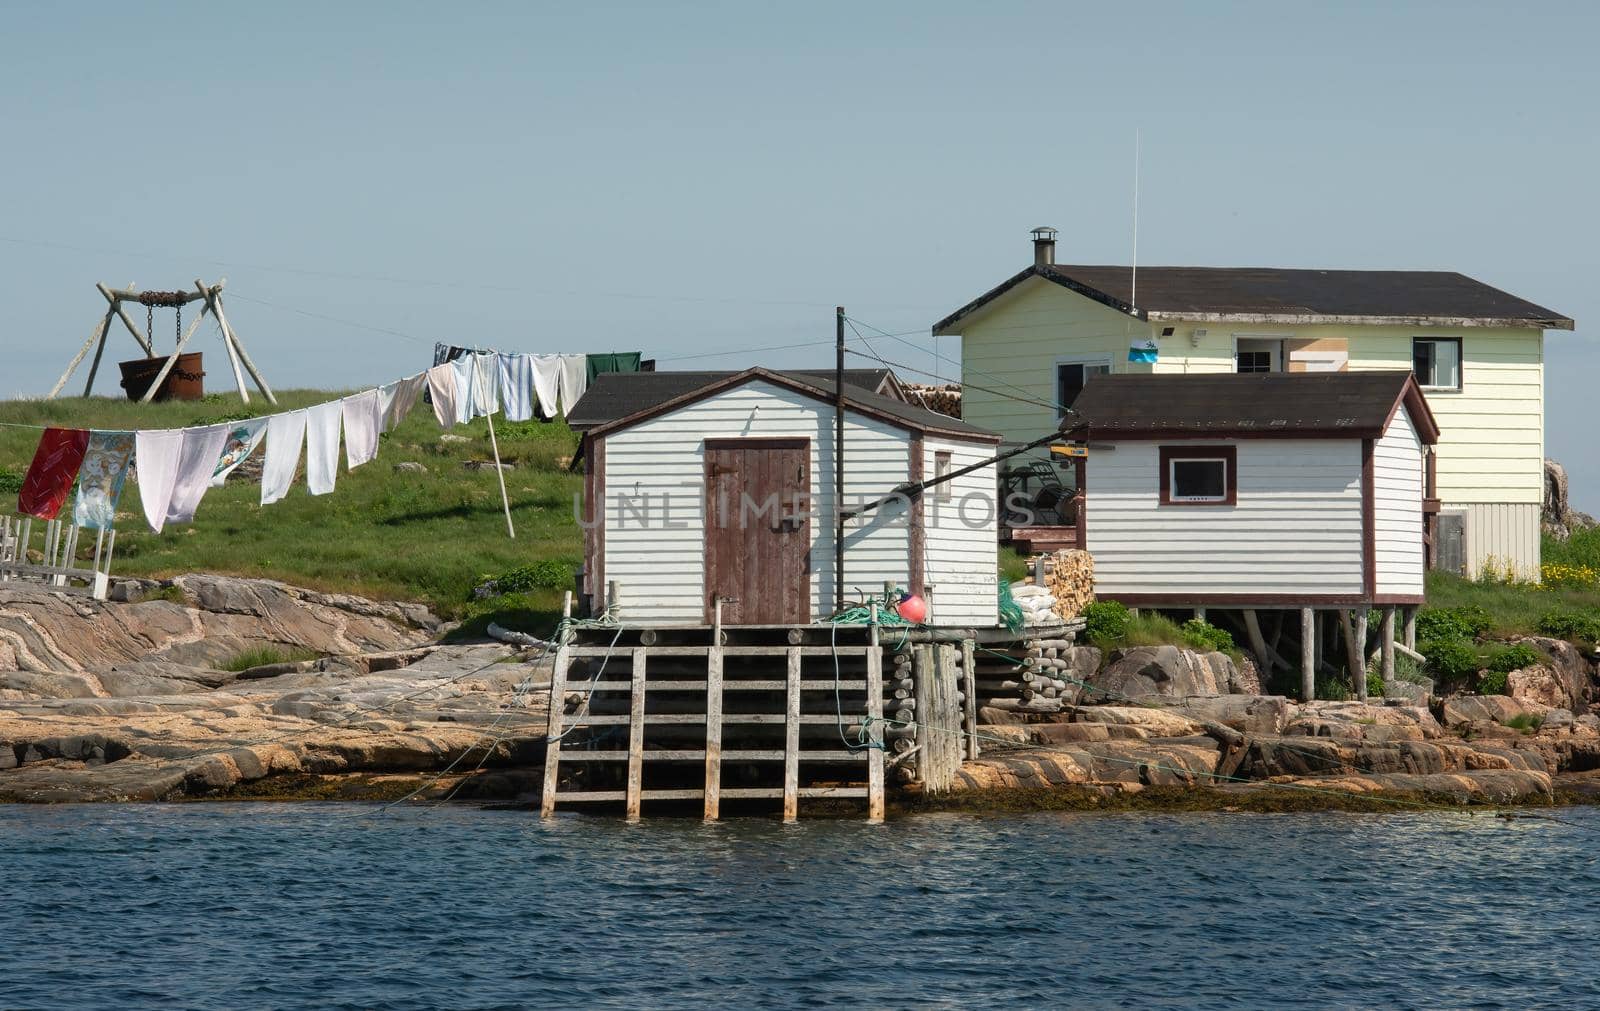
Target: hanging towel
547, 383
322, 446
485, 384
442, 390
516, 386
574, 380
627, 361
155, 467
363, 416
55, 467
466, 381
397, 399
243, 438
105, 466
286, 433
197, 465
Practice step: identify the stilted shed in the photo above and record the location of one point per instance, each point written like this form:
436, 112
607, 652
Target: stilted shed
725, 493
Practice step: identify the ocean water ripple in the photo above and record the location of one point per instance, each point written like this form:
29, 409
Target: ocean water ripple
347, 906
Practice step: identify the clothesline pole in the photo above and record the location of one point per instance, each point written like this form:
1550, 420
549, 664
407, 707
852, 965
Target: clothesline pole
500, 475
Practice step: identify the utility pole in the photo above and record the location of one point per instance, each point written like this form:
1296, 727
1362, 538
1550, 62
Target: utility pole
838, 461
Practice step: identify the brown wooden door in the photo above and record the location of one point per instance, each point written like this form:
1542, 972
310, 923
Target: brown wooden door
758, 534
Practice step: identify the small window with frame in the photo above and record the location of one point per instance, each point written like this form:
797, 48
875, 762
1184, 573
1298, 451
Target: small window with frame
1199, 475
1072, 377
1436, 362
941, 469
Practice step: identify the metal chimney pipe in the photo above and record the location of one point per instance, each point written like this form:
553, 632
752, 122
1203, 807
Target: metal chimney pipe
1044, 246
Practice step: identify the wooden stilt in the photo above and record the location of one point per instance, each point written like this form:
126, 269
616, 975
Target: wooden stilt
875, 800
1409, 636
500, 475
1258, 644
552, 755
1199, 614
791, 741
1388, 645
969, 665
1308, 665
636, 736
1355, 653
713, 791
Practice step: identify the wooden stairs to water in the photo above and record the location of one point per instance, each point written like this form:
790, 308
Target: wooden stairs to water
641, 718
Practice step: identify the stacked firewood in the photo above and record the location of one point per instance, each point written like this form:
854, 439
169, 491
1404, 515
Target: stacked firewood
1069, 576
942, 399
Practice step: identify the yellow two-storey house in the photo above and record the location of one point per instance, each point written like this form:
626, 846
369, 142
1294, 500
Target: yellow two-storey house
1029, 345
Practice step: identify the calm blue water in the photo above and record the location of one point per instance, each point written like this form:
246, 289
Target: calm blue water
305, 905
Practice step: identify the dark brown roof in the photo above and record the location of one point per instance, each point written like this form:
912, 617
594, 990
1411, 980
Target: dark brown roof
613, 395
862, 401
1278, 295
1352, 405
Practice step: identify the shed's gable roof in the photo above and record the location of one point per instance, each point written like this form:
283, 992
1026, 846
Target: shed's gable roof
1285, 296
887, 409
614, 395
1289, 405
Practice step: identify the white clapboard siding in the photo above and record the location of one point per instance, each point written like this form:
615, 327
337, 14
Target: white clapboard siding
959, 521
660, 569
1295, 530
1397, 482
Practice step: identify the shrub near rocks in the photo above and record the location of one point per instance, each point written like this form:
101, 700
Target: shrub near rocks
1106, 620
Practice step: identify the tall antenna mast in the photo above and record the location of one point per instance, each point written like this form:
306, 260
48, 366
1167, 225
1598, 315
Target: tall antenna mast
1133, 295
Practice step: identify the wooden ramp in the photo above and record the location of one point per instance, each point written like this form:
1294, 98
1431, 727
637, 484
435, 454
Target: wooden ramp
674, 722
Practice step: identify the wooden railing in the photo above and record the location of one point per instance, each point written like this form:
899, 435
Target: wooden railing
56, 544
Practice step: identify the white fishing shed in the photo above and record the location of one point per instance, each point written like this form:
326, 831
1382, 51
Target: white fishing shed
1268, 490
725, 491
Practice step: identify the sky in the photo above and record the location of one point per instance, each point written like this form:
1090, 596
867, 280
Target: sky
705, 182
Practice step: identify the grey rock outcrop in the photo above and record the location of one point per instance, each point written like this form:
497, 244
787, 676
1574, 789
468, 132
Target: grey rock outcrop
1163, 672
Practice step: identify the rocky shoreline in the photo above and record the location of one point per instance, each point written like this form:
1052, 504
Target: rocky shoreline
131, 700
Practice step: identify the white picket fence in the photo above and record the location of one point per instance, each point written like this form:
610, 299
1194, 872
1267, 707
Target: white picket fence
57, 546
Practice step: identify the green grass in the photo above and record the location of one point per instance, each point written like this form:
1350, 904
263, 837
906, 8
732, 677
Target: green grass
265, 655
428, 537
1514, 608
1013, 566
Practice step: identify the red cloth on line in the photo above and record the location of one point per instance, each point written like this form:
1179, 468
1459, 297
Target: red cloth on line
55, 468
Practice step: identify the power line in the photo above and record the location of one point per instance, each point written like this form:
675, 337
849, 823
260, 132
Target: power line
743, 351
1032, 401
963, 365
331, 319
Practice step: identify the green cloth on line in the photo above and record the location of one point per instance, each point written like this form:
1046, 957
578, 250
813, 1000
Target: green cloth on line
617, 361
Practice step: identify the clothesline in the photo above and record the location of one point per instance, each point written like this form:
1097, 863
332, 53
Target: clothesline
175, 467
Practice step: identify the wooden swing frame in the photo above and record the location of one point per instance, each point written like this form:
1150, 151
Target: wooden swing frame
211, 295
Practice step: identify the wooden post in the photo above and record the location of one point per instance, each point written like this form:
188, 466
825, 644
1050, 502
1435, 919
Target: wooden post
1038, 571
1355, 653
72, 366
1409, 636
500, 475
227, 345
875, 803
713, 792
791, 740
115, 301
1199, 614
970, 665
238, 345
566, 605
552, 754
636, 736
1388, 646
94, 366
1308, 667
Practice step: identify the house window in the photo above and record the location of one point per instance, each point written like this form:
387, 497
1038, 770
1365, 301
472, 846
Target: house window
941, 469
1436, 361
1070, 380
1255, 361
1199, 475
